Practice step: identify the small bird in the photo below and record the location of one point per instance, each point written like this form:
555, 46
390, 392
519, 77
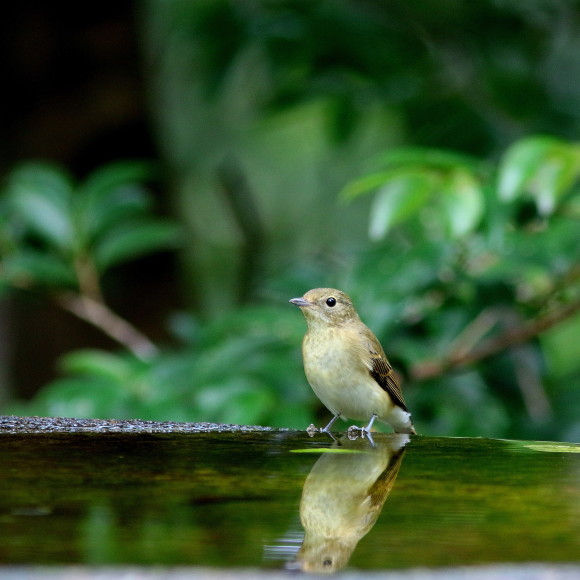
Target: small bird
346, 365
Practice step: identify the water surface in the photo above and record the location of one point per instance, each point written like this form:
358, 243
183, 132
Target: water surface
282, 499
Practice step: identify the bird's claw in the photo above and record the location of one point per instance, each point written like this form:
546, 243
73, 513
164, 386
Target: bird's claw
354, 431
312, 430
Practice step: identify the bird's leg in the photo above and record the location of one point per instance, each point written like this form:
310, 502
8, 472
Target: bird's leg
330, 423
364, 430
367, 431
311, 430
368, 428
369, 437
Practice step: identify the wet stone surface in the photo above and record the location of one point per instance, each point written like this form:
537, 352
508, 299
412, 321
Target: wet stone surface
11, 424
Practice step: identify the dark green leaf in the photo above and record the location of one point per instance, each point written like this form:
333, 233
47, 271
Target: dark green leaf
134, 240
40, 197
111, 194
87, 397
98, 363
114, 175
31, 268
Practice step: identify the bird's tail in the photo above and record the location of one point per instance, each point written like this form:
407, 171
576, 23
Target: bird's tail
410, 430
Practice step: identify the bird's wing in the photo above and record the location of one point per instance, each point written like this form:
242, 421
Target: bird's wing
382, 371
382, 487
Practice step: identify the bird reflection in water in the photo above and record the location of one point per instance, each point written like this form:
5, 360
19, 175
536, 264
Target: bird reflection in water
342, 498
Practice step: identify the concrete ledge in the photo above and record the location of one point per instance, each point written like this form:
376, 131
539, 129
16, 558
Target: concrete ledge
14, 425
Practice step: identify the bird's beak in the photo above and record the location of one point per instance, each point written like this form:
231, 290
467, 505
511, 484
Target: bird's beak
300, 302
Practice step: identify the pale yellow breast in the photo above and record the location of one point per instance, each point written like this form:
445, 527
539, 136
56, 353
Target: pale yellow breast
335, 368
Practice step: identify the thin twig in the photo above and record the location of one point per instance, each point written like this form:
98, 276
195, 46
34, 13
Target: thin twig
102, 317
496, 344
470, 336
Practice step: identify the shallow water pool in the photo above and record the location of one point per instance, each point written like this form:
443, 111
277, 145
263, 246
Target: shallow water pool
280, 499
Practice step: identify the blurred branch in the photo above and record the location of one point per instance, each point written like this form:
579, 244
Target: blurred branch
102, 317
561, 284
528, 376
509, 338
88, 278
243, 206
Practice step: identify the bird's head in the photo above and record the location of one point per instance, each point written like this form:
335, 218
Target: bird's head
326, 306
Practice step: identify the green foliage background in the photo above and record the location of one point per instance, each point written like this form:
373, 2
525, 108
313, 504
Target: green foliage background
420, 156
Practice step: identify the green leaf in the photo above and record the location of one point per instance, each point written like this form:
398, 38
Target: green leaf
40, 197
519, 163
133, 240
27, 268
114, 175
419, 157
398, 200
553, 178
540, 165
462, 203
400, 162
113, 193
87, 397
369, 183
98, 364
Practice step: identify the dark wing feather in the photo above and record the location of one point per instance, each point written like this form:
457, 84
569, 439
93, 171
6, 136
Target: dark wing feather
379, 367
383, 373
382, 487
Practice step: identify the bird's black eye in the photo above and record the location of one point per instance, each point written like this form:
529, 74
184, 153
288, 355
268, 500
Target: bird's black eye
331, 301
327, 562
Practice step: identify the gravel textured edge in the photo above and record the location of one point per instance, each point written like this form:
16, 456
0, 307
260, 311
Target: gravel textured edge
491, 572
47, 425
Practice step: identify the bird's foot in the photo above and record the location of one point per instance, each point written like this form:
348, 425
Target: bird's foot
363, 430
312, 430
354, 432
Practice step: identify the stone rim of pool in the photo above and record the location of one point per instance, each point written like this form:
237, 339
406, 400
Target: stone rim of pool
12, 424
